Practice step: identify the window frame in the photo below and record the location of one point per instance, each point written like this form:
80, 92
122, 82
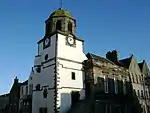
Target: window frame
106, 84
73, 76
116, 85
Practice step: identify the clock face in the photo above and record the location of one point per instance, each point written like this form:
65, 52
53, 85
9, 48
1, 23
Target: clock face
70, 40
47, 41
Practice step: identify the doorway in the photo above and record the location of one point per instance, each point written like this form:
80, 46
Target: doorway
75, 97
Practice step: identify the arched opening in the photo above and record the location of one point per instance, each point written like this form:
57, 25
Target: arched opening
48, 27
58, 25
70, 27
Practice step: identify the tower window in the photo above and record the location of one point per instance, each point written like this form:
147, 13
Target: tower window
48, 27
58, 25
73, 75
37, 87
70, 27
38, 69
46, 57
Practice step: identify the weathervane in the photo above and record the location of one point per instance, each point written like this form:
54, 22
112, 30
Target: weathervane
61, 4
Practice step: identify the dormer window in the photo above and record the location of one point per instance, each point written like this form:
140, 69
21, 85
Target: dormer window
58, 25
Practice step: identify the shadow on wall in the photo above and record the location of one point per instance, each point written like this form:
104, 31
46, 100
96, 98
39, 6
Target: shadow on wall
68, 100
65, 102
120, 102
147, 95
73, 103
136, 106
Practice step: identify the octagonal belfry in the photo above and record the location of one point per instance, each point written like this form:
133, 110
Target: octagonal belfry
60, 20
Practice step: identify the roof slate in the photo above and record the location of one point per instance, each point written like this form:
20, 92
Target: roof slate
97, 57
141, 65
126, 62
24, 83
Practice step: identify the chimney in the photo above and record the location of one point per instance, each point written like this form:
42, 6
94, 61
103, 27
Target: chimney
16, 80
112, 56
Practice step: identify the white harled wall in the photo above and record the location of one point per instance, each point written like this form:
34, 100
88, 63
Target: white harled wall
45, 78
69, 60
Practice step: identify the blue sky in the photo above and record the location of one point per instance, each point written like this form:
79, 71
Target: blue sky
103, 24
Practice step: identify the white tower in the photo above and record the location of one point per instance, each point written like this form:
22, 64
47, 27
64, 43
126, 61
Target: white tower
58, 79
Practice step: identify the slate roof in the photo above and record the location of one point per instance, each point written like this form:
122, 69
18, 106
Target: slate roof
123, 62
4, 99
126, 62
24, 83
97, 57
141, 65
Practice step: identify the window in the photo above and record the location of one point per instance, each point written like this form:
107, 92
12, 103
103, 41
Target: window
58, 25
45, 93
137, 81
106, 84
142, 94
146, 94
116, 85
48, 27
38, 69
46, 57
140, 79
37, 87
30, 88
43, 110
108, 108
124, 86
73, 75
70, 27
22, 90
138, 93
26, 89
133, 79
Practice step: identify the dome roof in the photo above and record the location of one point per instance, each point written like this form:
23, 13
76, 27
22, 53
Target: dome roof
61, 12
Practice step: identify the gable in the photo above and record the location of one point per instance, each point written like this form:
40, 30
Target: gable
125, 62
145, 69
134, 67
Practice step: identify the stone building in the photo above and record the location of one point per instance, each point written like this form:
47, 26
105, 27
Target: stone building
4, 100
25, 101
138, 73
108, 85
10, 103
